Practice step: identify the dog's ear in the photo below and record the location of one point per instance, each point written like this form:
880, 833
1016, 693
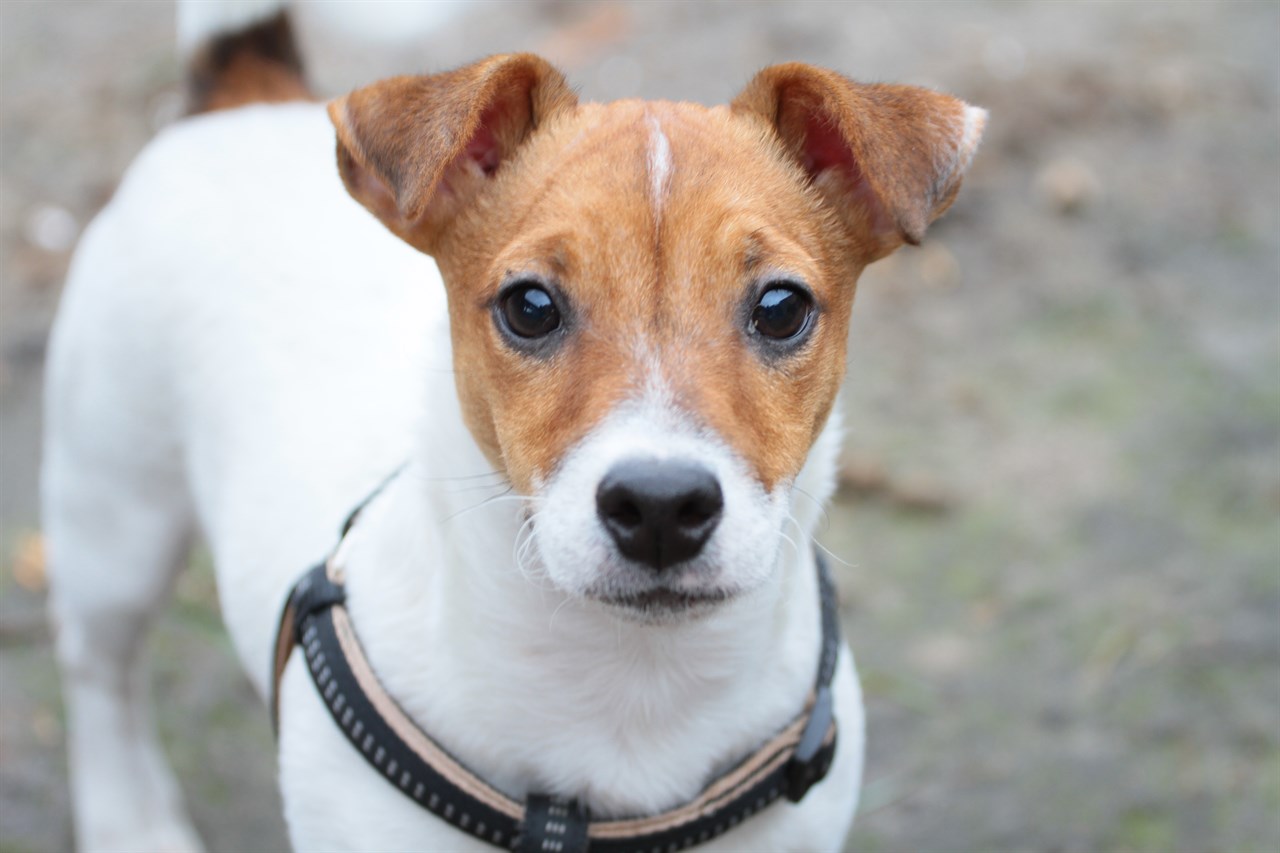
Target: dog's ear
415, 150
888, 159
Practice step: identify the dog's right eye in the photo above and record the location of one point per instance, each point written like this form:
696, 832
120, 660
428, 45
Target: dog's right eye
528, 311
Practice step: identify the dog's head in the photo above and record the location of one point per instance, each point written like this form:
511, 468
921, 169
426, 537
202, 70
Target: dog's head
649, 301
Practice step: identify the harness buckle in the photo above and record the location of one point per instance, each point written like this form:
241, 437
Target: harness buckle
314, 593
553, 824
811, 761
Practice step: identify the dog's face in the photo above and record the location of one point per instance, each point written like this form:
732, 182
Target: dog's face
649, 302
657, 329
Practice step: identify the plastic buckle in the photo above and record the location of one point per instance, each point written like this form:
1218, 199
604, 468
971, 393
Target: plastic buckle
314, 593
810, 762
554, 824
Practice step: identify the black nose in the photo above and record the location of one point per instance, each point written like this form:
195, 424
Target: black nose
659, 513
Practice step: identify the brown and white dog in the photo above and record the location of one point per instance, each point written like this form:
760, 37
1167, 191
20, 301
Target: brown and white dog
612, 382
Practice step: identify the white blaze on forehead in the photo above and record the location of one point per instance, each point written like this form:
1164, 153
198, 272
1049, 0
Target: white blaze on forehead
653, 392
659, 165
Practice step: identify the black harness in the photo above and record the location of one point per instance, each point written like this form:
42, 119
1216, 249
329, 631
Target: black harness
316, 619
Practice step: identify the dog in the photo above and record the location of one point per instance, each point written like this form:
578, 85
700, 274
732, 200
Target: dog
607, 339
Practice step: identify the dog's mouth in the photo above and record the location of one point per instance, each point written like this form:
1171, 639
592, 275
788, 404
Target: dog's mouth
663, 602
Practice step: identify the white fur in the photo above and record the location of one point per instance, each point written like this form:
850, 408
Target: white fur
244, 351
659, 165
578, 553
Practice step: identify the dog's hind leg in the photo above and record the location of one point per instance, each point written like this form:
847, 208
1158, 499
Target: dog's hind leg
117, 536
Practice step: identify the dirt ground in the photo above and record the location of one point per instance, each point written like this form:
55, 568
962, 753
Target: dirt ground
1061, 502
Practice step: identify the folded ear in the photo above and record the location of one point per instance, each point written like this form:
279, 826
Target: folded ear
889, 159
416, 150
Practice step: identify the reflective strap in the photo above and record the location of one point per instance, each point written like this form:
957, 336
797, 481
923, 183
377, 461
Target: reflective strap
390, 743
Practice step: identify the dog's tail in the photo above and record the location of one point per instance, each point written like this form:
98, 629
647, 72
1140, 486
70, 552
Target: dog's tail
239, 52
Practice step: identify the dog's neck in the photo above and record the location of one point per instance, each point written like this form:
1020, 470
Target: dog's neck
535, 691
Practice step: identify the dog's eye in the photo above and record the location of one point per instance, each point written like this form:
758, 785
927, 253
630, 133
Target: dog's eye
529, 311
782, 312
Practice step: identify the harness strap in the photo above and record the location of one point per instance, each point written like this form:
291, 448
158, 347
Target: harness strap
290, 615
315, 618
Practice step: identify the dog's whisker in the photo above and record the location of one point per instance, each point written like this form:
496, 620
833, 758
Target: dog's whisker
826, 516
834, 556
521, 551
505, 495
823, 548
521, 555
551, 623
804, 534
526, 526
423, 478
793, 543
460, 489
489, 501
816, 544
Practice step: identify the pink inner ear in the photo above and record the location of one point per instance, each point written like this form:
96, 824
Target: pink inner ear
483, 147
825, 148
483, 150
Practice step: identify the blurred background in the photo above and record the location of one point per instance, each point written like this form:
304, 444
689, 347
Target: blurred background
1060, 496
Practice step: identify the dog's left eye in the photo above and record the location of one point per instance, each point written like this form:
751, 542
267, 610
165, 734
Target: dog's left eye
529, 311
782, 313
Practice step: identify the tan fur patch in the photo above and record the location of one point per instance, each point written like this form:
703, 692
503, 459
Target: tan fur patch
257, 65
647, 296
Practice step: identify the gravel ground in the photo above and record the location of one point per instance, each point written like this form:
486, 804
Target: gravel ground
1062, 478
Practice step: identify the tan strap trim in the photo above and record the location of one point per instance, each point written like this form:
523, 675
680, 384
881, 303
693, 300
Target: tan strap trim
285, 641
